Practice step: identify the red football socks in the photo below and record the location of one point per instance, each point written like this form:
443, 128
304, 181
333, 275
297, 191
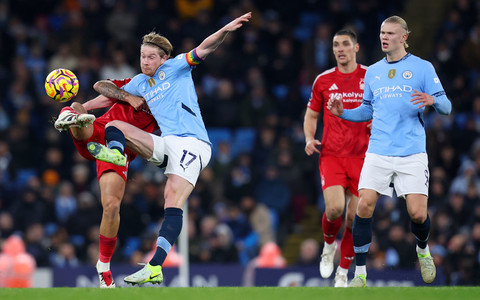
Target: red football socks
107, 246
67, 108
330, 228
346, 249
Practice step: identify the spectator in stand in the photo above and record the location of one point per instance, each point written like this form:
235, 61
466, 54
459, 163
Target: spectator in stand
65, 202
28, 210
7, 225
121, 23
190, 8
118, 67
270, 256
467, 175
63, 58
65, 257
222, 245
275, 194
309, 253
260, 218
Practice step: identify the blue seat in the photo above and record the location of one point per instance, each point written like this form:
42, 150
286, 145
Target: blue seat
131, 245
77, 240
275, 219
23, 176
50, 228
244, 140
217, 135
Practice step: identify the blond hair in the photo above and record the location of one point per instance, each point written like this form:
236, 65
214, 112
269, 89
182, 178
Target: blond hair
398, 20
159, 41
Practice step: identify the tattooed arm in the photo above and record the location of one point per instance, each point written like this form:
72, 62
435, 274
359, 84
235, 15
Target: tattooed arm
109, 89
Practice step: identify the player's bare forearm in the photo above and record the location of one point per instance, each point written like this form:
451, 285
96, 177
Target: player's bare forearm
213, 41
309, 129
109, 89
98, 102
310, 124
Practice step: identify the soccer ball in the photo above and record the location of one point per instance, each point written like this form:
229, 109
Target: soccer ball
61, 85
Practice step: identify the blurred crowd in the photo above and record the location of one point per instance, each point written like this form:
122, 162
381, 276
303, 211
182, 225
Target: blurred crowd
252, 92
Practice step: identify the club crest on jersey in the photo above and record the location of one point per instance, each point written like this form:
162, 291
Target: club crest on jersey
407, 74
391, 73
362, 83
161, 75
151, 82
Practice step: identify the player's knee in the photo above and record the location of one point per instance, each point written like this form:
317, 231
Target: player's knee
365, 209
125, 128
418, 217
334, 212
111, 207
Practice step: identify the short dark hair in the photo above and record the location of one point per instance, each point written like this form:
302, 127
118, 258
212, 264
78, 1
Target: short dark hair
348, 32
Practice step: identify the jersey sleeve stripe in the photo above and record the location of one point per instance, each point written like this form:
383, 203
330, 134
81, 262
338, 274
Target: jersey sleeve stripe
323, 74
327, 71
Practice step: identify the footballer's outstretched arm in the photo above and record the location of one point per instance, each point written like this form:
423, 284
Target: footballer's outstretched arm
98, 102
109, 89
213, 41
361, 113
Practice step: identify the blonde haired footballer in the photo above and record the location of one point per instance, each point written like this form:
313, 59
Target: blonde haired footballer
183, 149
397, 90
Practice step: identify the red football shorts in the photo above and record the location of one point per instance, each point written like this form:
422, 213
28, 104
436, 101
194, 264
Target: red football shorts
102, 167
344, 171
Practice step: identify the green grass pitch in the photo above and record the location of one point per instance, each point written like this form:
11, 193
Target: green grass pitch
245, 293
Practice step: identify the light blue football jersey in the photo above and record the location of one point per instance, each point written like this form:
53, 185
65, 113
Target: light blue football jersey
398, 126
171, 97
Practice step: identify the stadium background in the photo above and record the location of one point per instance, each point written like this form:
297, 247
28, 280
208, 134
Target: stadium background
260, 186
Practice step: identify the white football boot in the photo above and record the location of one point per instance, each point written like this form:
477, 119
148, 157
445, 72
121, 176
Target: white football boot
326, 264
105, 278
69, 119
340, 279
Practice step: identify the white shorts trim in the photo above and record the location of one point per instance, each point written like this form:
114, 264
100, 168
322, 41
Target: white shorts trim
409, 174
187, 156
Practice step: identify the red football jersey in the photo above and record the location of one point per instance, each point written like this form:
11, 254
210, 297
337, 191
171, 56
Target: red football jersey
121, 111
125, 112
341, 138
